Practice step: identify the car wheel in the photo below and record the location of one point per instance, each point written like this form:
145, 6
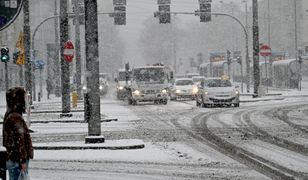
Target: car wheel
165, 101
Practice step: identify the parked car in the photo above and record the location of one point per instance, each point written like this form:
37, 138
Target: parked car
217, 92
183, 88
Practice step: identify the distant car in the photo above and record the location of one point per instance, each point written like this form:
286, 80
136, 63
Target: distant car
217, 92
198, 79
183, 88
191, 75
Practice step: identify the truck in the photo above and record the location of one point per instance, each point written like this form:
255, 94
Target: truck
149, 83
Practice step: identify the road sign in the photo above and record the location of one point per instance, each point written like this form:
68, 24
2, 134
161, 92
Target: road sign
68, 51
39, 64
9, 10
265, 50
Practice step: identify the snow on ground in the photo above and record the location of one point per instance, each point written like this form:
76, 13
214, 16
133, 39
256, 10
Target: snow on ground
162, 152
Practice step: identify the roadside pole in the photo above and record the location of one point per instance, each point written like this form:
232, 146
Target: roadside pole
256, 49
6, 77
65, 83
92, 65
77, 47
28, 63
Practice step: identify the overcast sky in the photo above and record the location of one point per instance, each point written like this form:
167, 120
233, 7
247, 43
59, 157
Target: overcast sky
139, 10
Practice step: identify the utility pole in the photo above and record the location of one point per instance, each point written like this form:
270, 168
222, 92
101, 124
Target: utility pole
57, 62
65, 83
92, 65
269, 43
28, 63
77, 47
256, 49
296, 42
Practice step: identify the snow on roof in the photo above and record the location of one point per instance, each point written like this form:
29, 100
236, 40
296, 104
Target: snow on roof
283, 62
143, 67
205, 64
218, 63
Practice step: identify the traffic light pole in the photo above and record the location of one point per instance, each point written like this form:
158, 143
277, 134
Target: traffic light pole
92, 65
246, 40
65, 83
256, 48
6, 76
28, 66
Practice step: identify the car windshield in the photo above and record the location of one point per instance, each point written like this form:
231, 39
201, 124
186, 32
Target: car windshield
184, 82
149, 75
217, 83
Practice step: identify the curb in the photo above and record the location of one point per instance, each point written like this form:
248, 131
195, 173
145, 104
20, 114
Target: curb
56, 111
69, 121
124, 144
139, 146
260, 100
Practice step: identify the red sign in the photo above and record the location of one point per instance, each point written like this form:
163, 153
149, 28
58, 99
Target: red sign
265, 50
68, 51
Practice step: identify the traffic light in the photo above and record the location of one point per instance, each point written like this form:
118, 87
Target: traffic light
164, 14
119, 12
5, 54
163, 11
229, 57
205, 10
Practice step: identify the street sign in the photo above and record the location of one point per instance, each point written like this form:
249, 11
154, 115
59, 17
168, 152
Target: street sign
9, 10
68, 51
39, 64
265, 50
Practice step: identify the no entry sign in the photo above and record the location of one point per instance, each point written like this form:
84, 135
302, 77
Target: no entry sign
68, 51
265, 50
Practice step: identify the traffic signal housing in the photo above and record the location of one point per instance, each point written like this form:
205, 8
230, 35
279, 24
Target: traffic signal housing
4, 54
164, 13
205, 10
119, 12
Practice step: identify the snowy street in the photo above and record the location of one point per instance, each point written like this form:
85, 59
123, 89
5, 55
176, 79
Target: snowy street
259, 140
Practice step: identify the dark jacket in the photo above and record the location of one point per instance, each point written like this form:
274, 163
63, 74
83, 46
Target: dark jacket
16, 136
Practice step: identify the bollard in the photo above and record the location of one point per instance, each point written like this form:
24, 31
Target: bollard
2, 163
74, 99
87, 107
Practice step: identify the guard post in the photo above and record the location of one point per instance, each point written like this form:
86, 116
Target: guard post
2, 163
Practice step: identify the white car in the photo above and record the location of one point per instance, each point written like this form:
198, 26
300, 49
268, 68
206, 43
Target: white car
183, 88
217, 92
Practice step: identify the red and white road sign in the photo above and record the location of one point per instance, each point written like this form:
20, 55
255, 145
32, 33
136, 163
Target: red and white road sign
68, 51
265, 50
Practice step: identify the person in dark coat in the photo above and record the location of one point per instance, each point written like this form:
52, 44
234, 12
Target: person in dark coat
16, 136
48, 87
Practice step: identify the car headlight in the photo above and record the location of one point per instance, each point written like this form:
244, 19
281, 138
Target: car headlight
137, 92
164, 91
206, 93
195, 90
120, 87
237, 92
84, 88
177, 91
